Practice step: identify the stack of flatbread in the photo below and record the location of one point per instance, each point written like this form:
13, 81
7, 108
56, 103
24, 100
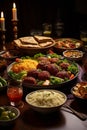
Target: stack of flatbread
34, 42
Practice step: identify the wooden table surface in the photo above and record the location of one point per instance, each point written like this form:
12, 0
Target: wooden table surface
61, 120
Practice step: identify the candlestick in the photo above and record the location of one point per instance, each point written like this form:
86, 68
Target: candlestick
2, 37
2, 22
15, 29
14, 12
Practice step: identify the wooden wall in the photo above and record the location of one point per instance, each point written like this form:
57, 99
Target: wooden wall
33, 13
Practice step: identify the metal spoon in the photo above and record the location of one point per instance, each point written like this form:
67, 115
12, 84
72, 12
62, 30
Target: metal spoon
78, 114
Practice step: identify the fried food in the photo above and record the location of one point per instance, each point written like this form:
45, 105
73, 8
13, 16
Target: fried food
80, 90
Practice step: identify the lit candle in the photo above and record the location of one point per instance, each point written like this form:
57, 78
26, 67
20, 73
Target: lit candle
14, 12
2, 21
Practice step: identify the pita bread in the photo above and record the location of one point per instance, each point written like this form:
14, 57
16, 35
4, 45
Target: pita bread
28, 40
29, 46
45, 44
42, 38
17, 42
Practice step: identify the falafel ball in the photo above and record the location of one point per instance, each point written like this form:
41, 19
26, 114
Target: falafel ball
42, 65
52, 69
64, 65
63, 74
29, 81
33, 73
43, 75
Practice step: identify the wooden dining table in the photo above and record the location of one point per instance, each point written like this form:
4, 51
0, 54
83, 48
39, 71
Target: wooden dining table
63, 119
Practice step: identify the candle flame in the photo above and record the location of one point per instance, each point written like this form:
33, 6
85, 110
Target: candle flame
2, 15
14, 5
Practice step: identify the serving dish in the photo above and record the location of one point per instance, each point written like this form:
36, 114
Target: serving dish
9, 54
63, 44
74, 55
31, 45
46, 100
49, 71
80, 90
8, 115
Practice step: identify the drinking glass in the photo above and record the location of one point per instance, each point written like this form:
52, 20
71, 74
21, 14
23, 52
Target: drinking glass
83, 37
59, 29
15, 94
47, 29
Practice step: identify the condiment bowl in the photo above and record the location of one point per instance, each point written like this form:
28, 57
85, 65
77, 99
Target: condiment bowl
8, 115
73, 55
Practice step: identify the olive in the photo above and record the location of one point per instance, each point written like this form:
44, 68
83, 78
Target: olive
4, 113
1, 110
5, 118
12, 115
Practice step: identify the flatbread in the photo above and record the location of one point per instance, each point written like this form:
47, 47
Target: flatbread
29, 46
45, 44
42, 38
33, 42
28, 40
17, 42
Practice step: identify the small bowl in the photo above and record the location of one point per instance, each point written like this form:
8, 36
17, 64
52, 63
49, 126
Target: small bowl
13, 116
80, 91
9, 54
46, 100
73, 55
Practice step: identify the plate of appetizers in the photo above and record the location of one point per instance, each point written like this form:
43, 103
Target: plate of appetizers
43, 71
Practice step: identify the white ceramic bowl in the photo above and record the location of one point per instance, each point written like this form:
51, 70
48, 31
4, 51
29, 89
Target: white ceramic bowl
46, 100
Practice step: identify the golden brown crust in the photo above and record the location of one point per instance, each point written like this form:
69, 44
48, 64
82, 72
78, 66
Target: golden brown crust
28, 40
42, 39
33, 42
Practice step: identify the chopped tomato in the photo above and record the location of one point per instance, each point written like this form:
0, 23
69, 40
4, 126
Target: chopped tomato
17, 59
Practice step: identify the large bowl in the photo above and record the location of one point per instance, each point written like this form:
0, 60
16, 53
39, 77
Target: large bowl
58, 84
8, 115
46, 100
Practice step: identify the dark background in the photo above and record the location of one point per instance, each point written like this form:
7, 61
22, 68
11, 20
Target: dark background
33, 13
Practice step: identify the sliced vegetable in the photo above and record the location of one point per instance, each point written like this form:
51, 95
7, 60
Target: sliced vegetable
3, 81
17, 76
73, 68
56, 80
